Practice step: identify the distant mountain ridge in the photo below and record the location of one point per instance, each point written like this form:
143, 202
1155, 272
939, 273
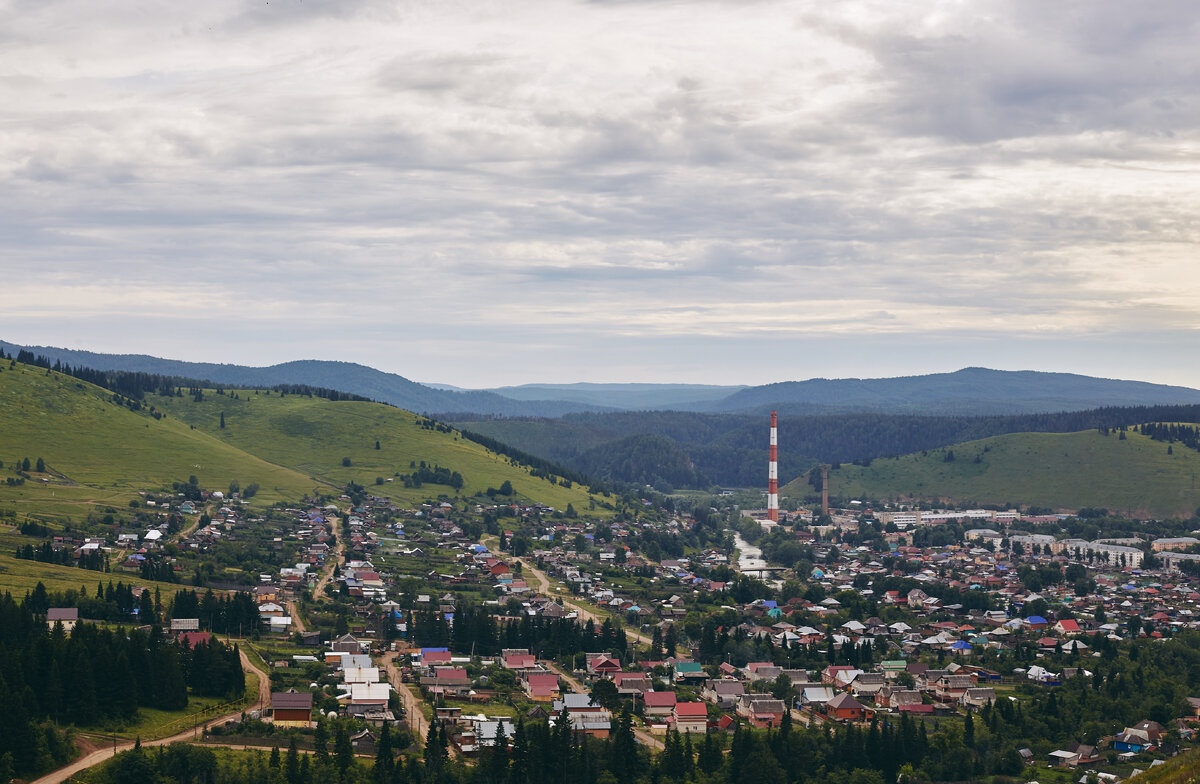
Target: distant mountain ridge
971, 391
675, 397
342, 376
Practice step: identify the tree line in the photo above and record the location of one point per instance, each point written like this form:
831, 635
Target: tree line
90, 675
136, 385
728, 449
476, 630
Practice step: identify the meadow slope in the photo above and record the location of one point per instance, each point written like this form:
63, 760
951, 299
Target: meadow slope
1134, 476
316, 437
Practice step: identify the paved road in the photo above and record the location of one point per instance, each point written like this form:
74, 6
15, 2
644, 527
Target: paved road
96, 757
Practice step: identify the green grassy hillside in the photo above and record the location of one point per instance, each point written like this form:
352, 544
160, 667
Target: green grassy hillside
1134, 476
99, 453
314, 436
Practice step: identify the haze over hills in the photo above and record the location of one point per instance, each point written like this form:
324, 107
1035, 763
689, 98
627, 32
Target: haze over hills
676, 397
342, 376
680, 449
970, 391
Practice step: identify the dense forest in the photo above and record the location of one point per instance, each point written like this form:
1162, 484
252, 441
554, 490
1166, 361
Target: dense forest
93, 674
646, 458
729, 449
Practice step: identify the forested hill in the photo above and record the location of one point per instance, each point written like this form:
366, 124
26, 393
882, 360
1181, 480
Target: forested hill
970, 391
349, 377
728, 449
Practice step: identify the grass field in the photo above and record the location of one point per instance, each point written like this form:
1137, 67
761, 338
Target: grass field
18, 576
314, 436
99, 455
1133, 477
88, 441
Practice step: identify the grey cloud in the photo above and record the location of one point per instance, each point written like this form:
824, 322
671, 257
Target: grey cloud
1051, 69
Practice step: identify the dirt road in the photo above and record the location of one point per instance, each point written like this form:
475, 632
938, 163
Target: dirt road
580, 609
408, 697
96, 757
331, 566
639, 733
297, 617
327, 573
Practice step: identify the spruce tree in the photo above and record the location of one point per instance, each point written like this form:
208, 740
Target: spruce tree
518, 772
321, 740
343, 752
381, 773
291, 766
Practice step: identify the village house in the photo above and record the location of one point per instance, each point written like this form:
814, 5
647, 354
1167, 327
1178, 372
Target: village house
691, 717
541, 686
292, 708
724, 692
843, 707
67, 616
659, 703
761, 710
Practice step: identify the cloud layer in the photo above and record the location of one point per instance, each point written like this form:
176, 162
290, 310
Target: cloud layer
487, 193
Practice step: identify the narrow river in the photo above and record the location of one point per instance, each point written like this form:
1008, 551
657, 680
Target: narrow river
750, 558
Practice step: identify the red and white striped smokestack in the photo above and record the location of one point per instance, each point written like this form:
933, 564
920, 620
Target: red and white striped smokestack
773, 473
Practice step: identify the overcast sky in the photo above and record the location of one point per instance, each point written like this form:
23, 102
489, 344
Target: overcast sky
487, 192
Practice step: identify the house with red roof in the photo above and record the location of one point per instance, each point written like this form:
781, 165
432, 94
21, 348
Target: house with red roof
192, 639
602, 666
691, 717
659, 703
541, 686
843, 707
435, 658
452, 680
632, 683
829, 674
1067, 626
520, 661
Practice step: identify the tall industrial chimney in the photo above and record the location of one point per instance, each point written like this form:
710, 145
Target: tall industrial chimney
773, 473
825, 489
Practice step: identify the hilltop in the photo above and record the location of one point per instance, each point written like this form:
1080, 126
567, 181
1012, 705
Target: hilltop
1132, 476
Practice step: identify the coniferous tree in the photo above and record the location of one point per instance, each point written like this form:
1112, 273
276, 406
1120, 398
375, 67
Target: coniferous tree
381, 772
518, 772
291, 766
343, 751
321, 740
